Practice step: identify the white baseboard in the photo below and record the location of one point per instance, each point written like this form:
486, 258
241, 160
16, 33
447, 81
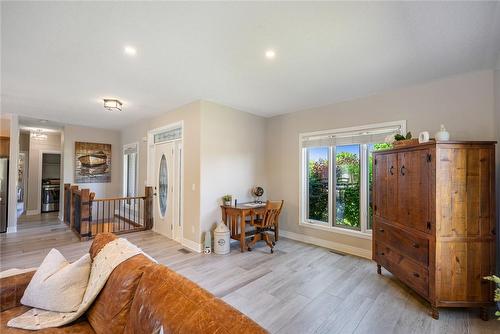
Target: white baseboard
11, 229
343, 248
194, 246
32, 212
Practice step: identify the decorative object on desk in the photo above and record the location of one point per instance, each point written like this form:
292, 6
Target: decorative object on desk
227, 199
92, 162
423, 137
400, 140
258, 192
221, 239
208, 243
495, 279
442, 134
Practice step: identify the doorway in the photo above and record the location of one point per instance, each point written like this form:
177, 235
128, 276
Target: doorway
165, 175
50, 187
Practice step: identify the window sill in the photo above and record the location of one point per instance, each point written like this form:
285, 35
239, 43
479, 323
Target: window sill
339, 230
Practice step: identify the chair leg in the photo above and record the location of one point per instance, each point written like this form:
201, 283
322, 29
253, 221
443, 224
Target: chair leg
268, 242
255, 238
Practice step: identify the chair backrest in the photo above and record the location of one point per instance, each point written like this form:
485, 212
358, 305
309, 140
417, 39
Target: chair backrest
273, 210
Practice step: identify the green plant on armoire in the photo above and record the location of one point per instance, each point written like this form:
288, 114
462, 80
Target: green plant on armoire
497, 290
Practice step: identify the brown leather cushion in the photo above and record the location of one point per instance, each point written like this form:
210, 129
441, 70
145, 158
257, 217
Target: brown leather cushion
99, 242
81, 326
109, 312
165, 298
12, 289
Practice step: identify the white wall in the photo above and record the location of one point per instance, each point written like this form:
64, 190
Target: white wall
73, 134
232, 158
33, 193
13, 160
464, 103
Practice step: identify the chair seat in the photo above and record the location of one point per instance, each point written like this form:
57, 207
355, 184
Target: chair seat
81, 326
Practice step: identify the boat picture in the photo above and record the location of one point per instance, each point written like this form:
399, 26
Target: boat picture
92, 162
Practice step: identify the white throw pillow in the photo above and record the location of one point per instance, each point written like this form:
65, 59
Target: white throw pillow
57, 284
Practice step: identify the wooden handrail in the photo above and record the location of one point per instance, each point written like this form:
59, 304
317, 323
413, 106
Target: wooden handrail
117, 198
87, 215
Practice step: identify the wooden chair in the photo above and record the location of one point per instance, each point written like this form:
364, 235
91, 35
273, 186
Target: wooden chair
266, 224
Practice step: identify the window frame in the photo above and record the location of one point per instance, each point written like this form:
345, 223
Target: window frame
125, 166
364, 232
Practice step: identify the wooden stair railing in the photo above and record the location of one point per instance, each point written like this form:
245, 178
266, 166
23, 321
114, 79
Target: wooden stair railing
87, 216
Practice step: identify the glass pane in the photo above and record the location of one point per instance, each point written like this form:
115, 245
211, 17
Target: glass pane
131, 174
317, 177
167, 135
371, 149
347, 186
163, 185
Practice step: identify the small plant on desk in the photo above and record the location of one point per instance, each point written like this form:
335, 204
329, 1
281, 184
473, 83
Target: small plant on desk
227, 199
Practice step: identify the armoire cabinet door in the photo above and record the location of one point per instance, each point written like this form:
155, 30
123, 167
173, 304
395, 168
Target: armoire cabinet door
414, 189
386, 183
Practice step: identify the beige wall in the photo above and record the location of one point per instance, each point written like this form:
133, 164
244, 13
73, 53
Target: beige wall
52, 144
223, 153
4, 126
232, 157
190, 115
497, 122
73, 134
465, 104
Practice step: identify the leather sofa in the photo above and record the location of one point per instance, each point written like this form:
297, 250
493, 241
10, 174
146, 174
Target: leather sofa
139, 297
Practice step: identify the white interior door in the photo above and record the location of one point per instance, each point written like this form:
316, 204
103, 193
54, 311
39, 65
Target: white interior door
164, 188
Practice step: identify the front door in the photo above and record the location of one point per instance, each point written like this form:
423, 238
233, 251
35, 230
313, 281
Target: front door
164, 188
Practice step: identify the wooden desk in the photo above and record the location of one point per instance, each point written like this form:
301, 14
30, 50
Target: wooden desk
235, 218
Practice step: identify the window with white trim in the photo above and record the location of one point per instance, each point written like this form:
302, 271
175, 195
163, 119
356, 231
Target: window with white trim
130, 169
336, 175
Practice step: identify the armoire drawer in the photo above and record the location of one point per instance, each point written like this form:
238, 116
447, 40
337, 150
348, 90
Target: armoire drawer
407, 244
408, 271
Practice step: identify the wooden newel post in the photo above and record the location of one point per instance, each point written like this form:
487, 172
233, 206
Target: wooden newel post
148, 208
67, 202
73, 189
85, 232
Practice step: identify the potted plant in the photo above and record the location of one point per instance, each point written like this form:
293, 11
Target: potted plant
400, 140
227, 199
496, 279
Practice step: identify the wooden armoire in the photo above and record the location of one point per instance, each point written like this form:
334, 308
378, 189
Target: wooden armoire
434, 220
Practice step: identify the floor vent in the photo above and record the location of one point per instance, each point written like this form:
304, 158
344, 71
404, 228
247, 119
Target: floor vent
338, 253
184, 251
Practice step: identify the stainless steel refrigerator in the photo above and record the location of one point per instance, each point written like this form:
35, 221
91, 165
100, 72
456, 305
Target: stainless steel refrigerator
4, 191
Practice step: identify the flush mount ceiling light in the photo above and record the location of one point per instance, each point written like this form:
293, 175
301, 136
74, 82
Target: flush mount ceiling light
130, 50
38, 135
112, 105
270, 54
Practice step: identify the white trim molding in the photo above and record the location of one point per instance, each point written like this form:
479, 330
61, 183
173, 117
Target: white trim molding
339, 230
343, 248
40, 177
194, 246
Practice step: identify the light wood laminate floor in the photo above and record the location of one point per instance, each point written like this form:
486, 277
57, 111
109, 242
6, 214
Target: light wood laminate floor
299, 289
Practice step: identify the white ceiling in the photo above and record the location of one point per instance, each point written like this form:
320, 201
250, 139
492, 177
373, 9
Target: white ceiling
60, 59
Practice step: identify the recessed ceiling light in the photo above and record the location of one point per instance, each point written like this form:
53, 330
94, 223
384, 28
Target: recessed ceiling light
270, 54
130, 50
